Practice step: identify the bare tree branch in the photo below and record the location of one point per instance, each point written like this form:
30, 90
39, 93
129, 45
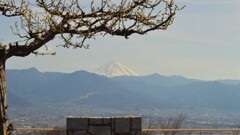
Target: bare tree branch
74, 23
8, 8
166, 123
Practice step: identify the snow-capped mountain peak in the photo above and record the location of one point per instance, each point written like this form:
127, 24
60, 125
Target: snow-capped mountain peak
112, 69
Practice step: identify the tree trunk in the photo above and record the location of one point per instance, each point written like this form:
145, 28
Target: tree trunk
3, 103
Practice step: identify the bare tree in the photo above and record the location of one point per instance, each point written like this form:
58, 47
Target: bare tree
236, 132
41, 21
166, 123
151, 123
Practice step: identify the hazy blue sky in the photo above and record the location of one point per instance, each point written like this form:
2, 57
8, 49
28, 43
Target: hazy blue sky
203, 43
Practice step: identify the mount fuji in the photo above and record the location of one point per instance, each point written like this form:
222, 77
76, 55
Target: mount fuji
113, 69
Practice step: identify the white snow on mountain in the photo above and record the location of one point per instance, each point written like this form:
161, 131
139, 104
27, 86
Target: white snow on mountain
112, 69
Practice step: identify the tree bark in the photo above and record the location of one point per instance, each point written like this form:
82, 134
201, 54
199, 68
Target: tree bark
3, 103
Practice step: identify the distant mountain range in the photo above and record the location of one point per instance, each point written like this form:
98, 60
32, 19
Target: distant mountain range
31, 87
